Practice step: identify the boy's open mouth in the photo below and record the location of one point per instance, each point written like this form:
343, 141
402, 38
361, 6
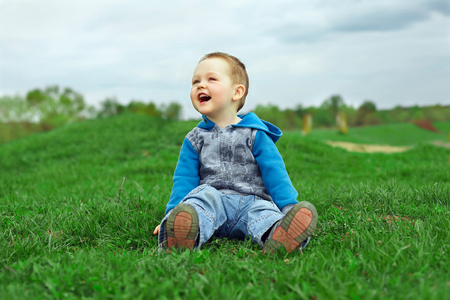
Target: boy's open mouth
204, 98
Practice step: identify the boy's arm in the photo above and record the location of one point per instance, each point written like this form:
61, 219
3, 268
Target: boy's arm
186, 176
273, 171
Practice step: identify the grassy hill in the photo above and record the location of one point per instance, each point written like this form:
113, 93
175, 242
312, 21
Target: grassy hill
78, 205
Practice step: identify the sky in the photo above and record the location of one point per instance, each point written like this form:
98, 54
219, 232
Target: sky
297, 52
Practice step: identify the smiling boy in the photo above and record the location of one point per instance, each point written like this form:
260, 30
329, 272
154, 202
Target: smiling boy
230, 180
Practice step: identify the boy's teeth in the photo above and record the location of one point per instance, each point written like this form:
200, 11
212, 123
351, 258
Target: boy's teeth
204, 97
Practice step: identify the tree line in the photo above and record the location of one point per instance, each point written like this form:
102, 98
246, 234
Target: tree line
51, 107
366, 114
54, 107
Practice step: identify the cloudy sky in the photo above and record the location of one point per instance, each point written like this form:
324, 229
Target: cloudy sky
296, 51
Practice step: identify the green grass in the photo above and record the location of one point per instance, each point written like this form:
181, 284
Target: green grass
68, 232
443, 126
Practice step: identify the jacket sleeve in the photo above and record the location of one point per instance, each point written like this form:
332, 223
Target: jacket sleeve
273, 171
186, 176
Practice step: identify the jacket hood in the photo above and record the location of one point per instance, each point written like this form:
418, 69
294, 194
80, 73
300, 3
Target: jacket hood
249, 120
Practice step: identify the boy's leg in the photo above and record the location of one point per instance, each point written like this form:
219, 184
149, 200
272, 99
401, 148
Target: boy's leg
258, 218
202, 206
294, 229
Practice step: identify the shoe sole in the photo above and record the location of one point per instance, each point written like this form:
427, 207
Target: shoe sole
299, 223
182, 227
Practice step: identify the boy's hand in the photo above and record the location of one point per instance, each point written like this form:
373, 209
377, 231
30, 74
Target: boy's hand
156, 231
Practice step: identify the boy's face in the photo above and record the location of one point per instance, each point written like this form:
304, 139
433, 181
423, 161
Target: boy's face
213, 93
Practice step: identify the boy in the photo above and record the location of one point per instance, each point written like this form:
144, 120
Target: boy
230, 180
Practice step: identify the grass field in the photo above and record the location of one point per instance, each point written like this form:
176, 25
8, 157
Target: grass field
78, 205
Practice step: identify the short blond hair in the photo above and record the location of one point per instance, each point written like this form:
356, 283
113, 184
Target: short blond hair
238, 72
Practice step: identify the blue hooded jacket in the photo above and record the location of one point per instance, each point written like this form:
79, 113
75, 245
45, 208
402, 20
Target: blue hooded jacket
240, 158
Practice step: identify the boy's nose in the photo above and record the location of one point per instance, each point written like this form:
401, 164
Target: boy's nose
201, 84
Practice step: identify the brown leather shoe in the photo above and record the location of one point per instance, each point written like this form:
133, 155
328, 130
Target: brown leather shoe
182, 227
294, 229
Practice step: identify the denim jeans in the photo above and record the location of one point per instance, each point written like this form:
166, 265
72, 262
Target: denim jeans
224, 214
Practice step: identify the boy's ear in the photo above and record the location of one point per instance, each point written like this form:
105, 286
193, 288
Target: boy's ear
239, 92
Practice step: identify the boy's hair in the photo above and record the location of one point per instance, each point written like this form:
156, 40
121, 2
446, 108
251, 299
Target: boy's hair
238, 72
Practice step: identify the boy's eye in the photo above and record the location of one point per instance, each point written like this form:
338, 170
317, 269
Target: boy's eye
195, 81
212, 79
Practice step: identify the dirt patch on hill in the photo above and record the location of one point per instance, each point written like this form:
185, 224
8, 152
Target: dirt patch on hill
442, 144
365, 148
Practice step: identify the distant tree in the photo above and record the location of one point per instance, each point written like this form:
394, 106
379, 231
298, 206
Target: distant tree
137, 107
110, 107
271, 113
415, 113
53, 106
368, 106
399, 114
71, 102
385, 116
13, 109
333, 104
141, 108
152, 110
366, 114
321, 116
300, 110
39, 104
172, 111
293, 120
350, 114
437, 113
